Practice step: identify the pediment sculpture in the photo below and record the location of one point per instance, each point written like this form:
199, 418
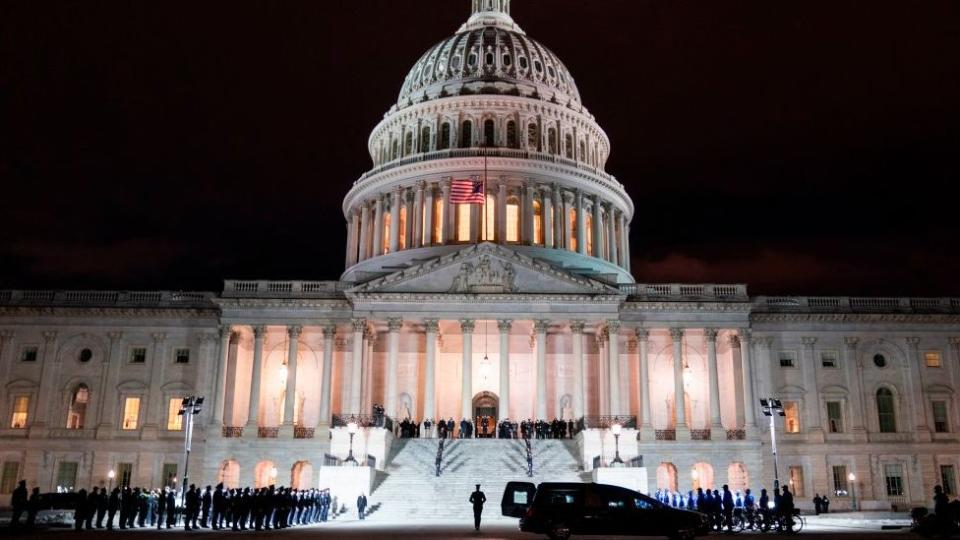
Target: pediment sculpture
484, 278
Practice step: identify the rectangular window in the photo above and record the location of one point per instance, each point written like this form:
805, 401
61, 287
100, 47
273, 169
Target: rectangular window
787, 359
796, 480
941, 423
124, 474
138, 355
513, 222
28, 354
828, 359
182, 356
933, 359
21, 405
840, 481
169, 478
174, 418
835, 416
948, 479
131, 413
11, 473
791, 411
67, 475
893, 478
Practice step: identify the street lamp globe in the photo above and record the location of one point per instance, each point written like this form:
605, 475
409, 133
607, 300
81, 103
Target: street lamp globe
616, 429
851, 477
352, 428
112, 474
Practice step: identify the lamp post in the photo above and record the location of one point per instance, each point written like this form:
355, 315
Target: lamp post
853, 491
772, 408
110, 476
617, 462
352, 430
189, 407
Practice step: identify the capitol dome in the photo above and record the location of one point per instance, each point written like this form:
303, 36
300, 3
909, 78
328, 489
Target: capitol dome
492, 106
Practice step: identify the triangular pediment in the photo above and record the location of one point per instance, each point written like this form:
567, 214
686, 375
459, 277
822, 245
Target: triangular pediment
484, 269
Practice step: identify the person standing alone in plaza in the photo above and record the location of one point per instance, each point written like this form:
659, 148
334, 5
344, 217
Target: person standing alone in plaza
477, 498
361, 505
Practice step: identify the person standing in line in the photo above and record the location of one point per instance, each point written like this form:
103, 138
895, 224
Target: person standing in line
477, 498
19, 502
727, 507
817, 504
171, 509
101, 506
91, 508
825, 504
113, 504
218, 504
161, 507
361, 505
205, 505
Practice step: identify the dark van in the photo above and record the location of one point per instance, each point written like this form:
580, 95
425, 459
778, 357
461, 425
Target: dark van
560, 510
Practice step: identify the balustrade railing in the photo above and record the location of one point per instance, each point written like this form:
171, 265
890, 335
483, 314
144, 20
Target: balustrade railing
108, 298
680, 291
666, 434
736, 434
849, 304
607, 421
700, 434
232, 432
268, 432
283, 289
300, 432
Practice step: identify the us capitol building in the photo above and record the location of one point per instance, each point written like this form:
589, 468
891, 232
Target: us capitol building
522, 307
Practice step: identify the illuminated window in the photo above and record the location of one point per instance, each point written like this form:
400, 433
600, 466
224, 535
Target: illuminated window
20, 406
425, 139
589, 234
537, 222
513, 219
840, 487
489, 219
791, 411
386, 232
796, 480
403, 227
437, 220
131, 413
886, 415
174, 418
835, 416
512, 134
572, 233
444, 142
168, 476
466, 134
940, 420
893, 479
463, 222
67, 475
933, 359
78, 407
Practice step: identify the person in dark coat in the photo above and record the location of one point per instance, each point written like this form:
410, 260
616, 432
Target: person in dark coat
205, 502
33, 506
19, 502
161, 507
477, 498
825, 504
80, 512
91, 508
143, 508
171, 509
113, 504
190, 504
727, 507
219, 505
817, 504
361, 505
133, 502
101, 506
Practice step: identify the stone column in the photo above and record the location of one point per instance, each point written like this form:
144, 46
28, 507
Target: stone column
611, 233
527, 236
418, 238
540, 327
812, 398
680, 414
408, 222
326, 378
367, 392
155, 409
466, 367
611, 332
749, 400
624, 243
597, 230
502, 212
428, 217
581, 225
364, 251
917, 401
220, 383
547, 217
108, 398
448, 217
394, 324
378, 226
356, 363
395, 221
646, 426
954, 364
711, 336
567, 226
579, 398
852, 365
559, 239
429, 387
256, 379
290, 401
504, 326
352, 231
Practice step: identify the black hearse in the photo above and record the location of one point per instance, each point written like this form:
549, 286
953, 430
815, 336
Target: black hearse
560, 510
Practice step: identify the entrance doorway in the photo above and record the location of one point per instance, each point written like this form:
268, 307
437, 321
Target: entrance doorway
485, 405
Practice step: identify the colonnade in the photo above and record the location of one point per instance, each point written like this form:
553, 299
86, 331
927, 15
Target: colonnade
517, 212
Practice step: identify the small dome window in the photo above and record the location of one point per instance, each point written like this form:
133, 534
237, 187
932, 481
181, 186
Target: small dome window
488, 58
472, 60
506, 60
85, 355
538, 66
551, 71
455, 62
879, 360
523, 62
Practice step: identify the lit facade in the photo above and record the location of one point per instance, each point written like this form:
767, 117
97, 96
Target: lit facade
525, 305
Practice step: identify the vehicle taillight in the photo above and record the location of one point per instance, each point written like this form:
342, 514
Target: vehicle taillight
529, 513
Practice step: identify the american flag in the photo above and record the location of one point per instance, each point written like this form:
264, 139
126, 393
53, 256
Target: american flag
467, 192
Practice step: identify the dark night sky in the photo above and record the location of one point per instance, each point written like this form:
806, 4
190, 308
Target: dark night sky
800, 147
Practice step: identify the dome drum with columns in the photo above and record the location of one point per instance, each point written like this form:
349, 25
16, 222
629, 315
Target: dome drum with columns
489, 103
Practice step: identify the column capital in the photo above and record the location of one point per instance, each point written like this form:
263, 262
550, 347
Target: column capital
764, 341
734, 341
431, 325
158, 337
225, 330
577, 325
546, 189
808, 341
114, 336
49, 336
642, 334
745, 335
913, 342
676, 334
541, 326
710, 334
370, 335
359, 325
613, 326
504, 325
6, 334
329, 330
394, 324
954, 341
259, 331
340, 344
467, 325
851, 342
294, 331
421, 185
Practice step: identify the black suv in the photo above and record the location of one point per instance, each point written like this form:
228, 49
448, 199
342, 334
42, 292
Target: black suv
561, 509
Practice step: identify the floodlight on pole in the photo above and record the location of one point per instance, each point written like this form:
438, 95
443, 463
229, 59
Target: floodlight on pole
190, 406
616, 429
773, 408
352, 430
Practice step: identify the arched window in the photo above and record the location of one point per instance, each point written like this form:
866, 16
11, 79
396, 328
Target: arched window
572, 233
667, 476
511, 134
78, 407
537, 222
301, 475
533, 137
885, 411
444, 136
408, 144
463, 222
701, 476
489, 129
513, 219
552, 140
489, 218
583, 152
737, 477
425, 139
589, 234
568, 146
466, 134
264, 474
229, 474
